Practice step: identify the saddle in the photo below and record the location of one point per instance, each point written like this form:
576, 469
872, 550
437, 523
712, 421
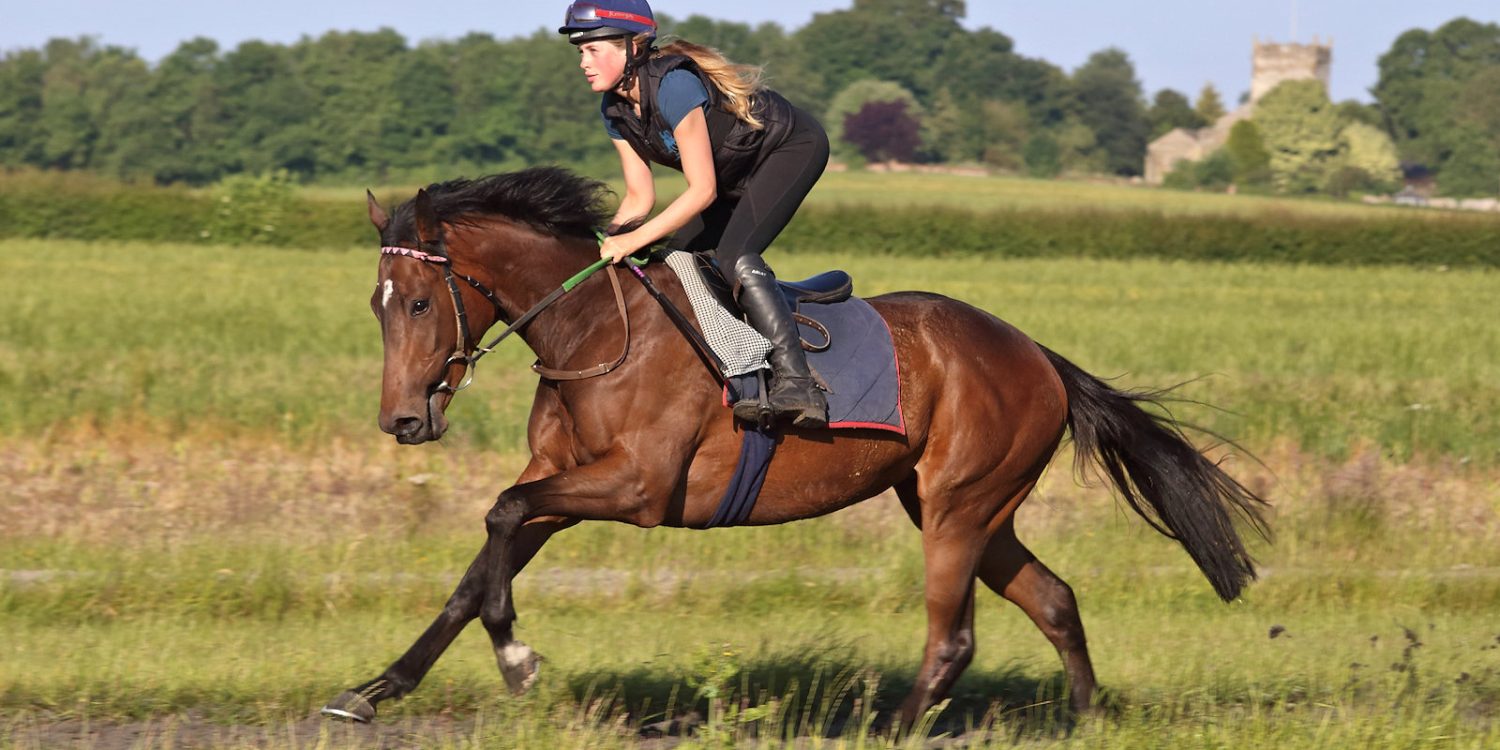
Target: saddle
825, 288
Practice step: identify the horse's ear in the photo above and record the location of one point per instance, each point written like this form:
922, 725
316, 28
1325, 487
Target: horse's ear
426, 218
378, 216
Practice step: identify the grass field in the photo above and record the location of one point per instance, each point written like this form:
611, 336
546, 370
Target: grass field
184, 590
203, 536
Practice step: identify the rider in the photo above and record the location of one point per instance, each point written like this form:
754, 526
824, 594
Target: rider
749, 157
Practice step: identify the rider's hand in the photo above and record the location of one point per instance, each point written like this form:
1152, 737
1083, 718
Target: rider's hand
619, 246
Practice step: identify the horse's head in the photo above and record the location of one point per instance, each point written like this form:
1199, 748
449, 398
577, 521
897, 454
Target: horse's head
431, 313
418, 323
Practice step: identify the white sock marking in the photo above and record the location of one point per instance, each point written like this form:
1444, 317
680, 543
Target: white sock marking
515, 654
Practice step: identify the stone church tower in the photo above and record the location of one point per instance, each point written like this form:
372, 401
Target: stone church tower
1270, 65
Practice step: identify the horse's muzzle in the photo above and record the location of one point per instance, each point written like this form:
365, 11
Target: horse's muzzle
415, 429
408, 429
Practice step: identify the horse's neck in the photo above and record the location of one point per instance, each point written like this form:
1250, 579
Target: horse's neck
525, 267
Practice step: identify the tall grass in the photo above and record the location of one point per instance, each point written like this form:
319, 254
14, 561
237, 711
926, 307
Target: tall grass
203, 537
212, 602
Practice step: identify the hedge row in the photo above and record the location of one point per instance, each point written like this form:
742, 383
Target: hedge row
82, 209
79, 207
1416, 240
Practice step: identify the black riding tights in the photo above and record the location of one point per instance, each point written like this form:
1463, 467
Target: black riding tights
735, 226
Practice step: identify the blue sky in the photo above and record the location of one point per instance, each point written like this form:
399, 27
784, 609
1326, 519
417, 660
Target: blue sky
1179, 44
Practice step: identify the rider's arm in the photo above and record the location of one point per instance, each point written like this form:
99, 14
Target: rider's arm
698, 167
640, 189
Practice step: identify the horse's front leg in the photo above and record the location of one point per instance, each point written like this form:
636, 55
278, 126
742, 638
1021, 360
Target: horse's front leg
607, 490
407, 672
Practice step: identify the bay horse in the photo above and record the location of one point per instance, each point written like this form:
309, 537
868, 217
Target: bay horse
650, 444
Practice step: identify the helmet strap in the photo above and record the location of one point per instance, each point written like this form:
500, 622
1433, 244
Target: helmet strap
634, 59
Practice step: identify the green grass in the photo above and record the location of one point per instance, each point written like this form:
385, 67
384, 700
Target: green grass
204, 537
239, 341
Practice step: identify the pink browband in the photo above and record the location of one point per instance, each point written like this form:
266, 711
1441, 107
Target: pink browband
416, 254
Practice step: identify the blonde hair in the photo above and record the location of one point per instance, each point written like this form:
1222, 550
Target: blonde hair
738, 83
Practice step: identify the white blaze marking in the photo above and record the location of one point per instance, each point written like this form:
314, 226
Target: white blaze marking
390, 289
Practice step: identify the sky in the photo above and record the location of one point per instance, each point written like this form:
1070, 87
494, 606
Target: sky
1179, 44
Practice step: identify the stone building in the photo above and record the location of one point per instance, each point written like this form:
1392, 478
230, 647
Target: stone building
1271, 65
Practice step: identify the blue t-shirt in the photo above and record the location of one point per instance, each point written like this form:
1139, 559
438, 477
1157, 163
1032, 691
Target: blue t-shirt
680, 93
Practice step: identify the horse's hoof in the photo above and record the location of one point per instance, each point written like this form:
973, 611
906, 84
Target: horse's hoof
519, 665
352, 706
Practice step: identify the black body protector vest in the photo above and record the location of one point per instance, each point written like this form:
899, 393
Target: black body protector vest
737, 148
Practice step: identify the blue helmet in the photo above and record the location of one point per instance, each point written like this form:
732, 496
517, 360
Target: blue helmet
588, 20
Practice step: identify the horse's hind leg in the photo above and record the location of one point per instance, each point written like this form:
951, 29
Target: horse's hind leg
463, 606
951, 553
962, 538
1010, 569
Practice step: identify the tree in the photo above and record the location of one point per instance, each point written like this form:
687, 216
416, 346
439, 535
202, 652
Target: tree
351, 76
1078, 147
1473, 164
1426, 81
855, 96
558, 123
267, 111
890, 40
1109, 102
1171, 110
186, 101
951, 133
1213, 173
1005, 134
737, 41
1370, 152
487, 120
415, 131
1045, 89
68, 126
883, 131
1351, 110
1209, 107
1301, 130
1248, 158
981, 71
21, 83
1043, 156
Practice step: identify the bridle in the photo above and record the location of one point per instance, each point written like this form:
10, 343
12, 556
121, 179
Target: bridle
461, 355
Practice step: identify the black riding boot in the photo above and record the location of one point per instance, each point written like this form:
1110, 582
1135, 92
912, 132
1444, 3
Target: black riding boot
794, 395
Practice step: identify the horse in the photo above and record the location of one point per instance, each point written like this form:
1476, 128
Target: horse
646, 441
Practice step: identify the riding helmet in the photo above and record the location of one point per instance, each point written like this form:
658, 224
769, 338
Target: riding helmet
588, 20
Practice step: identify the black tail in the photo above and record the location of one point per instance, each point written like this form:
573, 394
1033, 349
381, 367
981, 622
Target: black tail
1148, 458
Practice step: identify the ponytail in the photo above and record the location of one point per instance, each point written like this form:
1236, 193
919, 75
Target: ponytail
738, 83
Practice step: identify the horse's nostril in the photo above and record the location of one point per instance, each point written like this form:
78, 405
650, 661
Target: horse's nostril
407, 426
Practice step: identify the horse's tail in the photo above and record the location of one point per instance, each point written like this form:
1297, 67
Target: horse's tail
1148, 459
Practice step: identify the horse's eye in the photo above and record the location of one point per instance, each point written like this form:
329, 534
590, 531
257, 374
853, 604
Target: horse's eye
418, 307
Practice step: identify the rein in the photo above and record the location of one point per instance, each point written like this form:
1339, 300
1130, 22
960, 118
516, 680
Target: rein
461, 355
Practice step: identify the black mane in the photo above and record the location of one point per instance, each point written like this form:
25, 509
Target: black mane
552, 200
